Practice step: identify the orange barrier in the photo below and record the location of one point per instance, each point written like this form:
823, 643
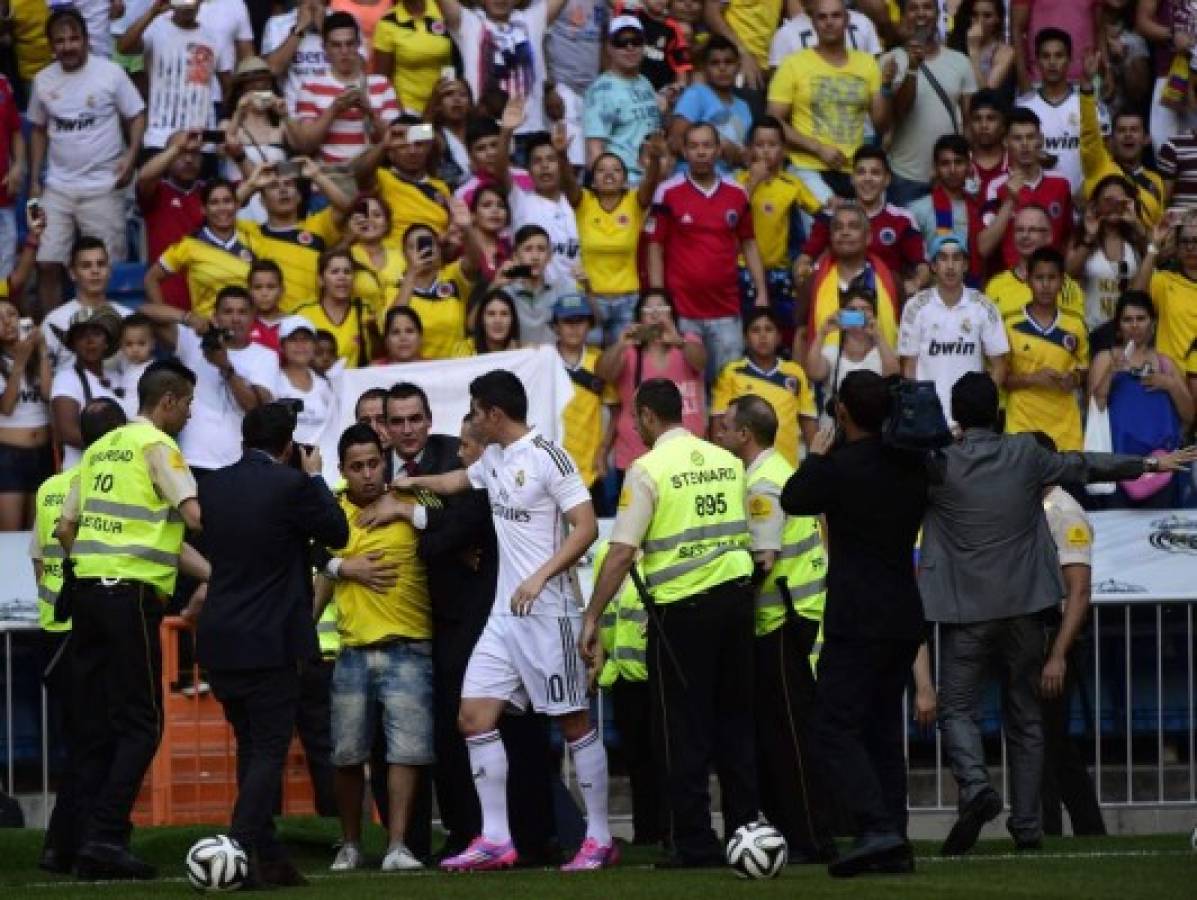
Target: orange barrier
193, 779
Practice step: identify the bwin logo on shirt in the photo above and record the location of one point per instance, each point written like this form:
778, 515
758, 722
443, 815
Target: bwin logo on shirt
958, 347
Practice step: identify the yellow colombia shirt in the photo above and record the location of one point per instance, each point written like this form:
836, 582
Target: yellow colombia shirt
786, 388
1010, 294
420, 47
442, 311
1063, 346
609, 241
354, 332
366, 617
829, 103
1175, 299
296, 250
754, 22
209, 265
424, 202
378, 287
774, 201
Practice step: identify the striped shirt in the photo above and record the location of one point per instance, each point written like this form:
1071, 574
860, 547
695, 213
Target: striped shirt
1178, 162
346, 137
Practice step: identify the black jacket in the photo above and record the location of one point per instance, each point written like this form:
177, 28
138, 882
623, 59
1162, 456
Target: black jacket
260, 519
457, 534
874, 498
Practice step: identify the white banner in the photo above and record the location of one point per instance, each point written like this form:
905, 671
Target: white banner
1144, 555
447, 383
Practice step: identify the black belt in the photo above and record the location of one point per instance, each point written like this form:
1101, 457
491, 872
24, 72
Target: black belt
111, 585
388, 642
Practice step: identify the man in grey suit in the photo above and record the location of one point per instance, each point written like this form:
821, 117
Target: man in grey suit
988, 572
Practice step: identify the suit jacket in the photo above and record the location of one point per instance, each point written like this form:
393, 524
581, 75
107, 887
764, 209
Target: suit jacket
987, 550
459, 593
260, 519
874, 498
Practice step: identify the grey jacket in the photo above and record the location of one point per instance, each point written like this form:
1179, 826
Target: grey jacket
987, 552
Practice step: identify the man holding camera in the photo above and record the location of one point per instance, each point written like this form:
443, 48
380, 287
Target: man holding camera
233, 376
255, 625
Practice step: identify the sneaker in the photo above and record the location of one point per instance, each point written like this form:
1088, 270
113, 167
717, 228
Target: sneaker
593, 855
400, 859
349, 857
482, 856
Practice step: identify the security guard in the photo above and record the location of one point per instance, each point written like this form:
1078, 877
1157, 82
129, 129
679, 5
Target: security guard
684, 504
624, 675
97, 418
791, 567
123, 530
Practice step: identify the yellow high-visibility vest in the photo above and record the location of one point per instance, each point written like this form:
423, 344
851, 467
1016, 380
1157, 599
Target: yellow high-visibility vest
126, 530
623, 631
698, 536
802, 562
48, 510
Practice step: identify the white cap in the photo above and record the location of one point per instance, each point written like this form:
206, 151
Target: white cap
292, 324
623, 23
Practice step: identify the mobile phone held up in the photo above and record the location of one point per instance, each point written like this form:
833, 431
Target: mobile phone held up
852, 318
420, 134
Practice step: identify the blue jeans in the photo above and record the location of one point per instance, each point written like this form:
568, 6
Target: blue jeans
616, 312
397, 675
723, 337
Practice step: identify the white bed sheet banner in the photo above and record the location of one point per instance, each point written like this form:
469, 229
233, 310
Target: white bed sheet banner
1144, 555
447, 383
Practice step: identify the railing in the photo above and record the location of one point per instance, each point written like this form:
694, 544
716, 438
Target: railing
1136, 717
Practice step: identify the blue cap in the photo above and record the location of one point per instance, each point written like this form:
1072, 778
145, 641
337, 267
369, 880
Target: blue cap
571, 306
942, 240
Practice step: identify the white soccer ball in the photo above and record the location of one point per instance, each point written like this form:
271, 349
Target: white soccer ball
217, 863
757, 850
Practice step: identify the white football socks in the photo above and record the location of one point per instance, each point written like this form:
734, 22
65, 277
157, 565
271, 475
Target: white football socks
590, 763
488, 763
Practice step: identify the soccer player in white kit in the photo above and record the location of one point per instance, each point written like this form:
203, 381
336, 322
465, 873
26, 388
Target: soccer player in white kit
528, 652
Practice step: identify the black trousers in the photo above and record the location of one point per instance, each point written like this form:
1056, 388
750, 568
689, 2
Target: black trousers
791, 795
640, 748
313, 722
700, 667
530, 771
260, 704
858, 728
1065, 774
117, 682
62, 834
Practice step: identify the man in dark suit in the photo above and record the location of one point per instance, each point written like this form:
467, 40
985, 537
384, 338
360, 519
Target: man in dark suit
873, 497
255, 627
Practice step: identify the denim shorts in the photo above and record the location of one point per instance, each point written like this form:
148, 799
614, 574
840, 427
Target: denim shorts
396, 677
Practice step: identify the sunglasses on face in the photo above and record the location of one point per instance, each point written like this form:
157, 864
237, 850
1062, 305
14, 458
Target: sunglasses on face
627, 43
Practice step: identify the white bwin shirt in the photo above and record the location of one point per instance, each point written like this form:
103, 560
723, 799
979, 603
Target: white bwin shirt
950, 341
531, 484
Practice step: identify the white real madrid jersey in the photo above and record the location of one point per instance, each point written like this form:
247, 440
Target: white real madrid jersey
531, 483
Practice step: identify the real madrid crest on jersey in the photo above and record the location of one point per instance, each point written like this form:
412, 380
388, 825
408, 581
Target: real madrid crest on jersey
966, 325
519, 478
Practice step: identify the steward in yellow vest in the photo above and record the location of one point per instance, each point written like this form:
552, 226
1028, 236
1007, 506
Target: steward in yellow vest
96, 419
791, 568
683, 504
625, 677
123, 530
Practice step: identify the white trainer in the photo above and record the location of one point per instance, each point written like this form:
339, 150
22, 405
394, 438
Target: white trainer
349, 857
400, 859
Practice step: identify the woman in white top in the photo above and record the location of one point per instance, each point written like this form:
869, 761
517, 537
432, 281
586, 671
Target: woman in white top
94, 336
862, 346
1105, 255
25, 459
297, 380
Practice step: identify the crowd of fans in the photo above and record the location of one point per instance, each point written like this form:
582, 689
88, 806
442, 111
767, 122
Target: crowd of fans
740, 197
